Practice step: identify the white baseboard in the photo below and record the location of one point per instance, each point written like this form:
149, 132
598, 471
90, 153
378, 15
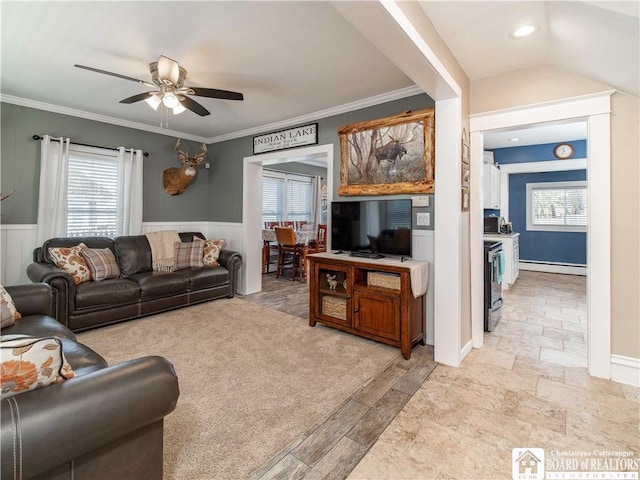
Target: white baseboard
551, 267
625, 370
466, 349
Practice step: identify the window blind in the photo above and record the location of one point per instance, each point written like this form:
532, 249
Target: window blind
557, 206
92, 197
286, 197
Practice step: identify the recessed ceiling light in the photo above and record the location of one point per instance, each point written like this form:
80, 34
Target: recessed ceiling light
524, 31
514, 139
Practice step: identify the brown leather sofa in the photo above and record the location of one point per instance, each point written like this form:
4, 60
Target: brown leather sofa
105, 423
139, 290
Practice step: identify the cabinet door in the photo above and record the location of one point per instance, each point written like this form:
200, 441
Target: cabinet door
333, 302
377, 313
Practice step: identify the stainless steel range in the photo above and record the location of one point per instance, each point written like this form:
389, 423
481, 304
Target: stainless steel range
493, 270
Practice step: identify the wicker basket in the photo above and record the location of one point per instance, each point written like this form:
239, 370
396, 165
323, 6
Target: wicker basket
334, 307
386, 280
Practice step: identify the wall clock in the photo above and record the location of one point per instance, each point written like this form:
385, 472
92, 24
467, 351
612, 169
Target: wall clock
563, 151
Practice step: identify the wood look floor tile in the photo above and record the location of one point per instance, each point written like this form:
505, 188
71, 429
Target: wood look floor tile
411, 381
329, 433
289, 468
376, 389
338, 462
367, 430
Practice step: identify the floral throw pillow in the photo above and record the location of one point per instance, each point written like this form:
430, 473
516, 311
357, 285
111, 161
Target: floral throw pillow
101, 262
29, 362
70, 259
211, 250
8, 309
187, 255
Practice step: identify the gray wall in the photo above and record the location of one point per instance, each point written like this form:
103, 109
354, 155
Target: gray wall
226, 184
215, 194
20, 163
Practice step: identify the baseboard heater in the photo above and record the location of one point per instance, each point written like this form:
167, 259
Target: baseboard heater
553, 267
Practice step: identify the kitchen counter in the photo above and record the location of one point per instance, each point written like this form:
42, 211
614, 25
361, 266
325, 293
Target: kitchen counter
501, 236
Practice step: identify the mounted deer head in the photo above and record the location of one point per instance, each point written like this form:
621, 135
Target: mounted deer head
175, 179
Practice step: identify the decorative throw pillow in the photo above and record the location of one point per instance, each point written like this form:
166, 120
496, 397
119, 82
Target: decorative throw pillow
211, 250
70, 259
187, 255
31, 362
8, 309
101, 262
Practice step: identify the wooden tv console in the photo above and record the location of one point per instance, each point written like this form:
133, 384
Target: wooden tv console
369, 298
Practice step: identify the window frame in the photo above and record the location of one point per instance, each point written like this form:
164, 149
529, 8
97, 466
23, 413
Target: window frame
567, 185
96, 154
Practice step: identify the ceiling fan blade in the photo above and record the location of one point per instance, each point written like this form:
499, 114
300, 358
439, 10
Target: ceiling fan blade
194, 106
138, 97
214, 93
168, 69
124, 77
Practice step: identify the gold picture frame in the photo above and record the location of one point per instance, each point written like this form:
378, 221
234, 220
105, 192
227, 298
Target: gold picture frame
391, 155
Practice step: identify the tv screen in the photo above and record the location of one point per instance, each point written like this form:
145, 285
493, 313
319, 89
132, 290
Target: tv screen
380, 226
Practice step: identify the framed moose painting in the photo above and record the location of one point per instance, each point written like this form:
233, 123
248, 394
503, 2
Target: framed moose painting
389, 155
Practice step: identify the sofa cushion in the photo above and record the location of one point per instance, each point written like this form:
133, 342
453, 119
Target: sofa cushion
101, 262
39, 326
70, 259
205, 277
211, 251
187, 255
31, 362
82, 359
114, 291
90, 242
8, 310
134, 254
160, 284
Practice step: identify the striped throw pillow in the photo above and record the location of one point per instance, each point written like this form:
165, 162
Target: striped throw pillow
187, 255
101, 262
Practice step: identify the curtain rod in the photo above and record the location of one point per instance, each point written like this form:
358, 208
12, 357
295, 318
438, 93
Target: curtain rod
38, 137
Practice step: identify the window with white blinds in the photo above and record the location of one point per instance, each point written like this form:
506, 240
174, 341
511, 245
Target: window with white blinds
557, 206
286, 197
92, 195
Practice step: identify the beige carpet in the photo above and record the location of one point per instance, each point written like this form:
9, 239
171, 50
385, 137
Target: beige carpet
251, 380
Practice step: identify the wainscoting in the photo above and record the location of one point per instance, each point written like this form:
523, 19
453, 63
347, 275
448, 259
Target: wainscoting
17, 243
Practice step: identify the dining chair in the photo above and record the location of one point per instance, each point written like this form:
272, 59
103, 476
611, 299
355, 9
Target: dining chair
270, 225
321, 240
288, 223
290, 253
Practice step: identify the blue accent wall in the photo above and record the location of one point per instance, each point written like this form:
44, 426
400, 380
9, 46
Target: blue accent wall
561, 247
536, 153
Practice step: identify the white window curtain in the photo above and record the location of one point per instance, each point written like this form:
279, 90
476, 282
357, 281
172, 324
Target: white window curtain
129, 192
52, 200
53, 205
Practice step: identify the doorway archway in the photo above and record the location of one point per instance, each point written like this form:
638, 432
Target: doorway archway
251, 281
596, 110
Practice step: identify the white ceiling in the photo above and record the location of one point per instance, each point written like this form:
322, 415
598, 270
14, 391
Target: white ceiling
289, 59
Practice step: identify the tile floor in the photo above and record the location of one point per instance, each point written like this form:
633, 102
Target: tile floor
528, 387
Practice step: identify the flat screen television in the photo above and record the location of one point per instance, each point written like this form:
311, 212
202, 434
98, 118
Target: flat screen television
376, 226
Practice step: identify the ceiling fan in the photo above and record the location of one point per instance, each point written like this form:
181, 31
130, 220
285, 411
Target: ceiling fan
169, 89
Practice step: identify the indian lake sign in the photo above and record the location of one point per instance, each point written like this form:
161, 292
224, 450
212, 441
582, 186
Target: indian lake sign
294, 137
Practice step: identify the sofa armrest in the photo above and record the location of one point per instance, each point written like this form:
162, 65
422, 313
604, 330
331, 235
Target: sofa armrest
50, 426
62, 285
32, 299
232, 261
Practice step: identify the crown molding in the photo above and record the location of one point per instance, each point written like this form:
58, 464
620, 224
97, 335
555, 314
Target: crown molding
24, 102
329, 112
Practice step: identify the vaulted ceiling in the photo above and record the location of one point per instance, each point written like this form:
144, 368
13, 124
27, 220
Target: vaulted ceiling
289, 59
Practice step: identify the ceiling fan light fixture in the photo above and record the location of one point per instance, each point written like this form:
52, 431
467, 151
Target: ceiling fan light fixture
170, 100
525, 30
178, 109
153, 101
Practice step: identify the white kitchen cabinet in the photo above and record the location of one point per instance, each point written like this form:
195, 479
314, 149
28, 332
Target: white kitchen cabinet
491, 181
511, 248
